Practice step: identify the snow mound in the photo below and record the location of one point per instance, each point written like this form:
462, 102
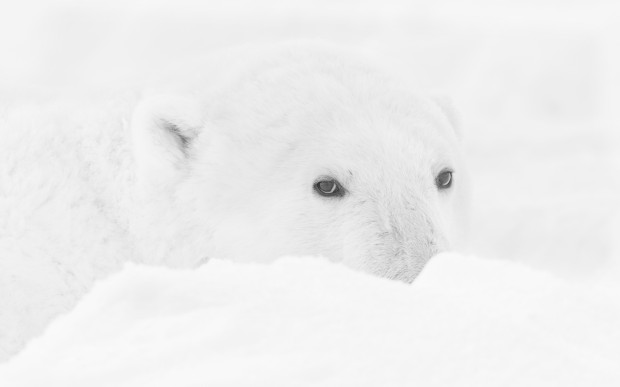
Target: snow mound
304, 321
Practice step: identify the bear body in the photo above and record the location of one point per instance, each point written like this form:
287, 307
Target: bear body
296, 150
64, 189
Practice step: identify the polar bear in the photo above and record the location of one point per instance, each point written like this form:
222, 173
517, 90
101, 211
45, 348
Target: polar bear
294, 150
301, 151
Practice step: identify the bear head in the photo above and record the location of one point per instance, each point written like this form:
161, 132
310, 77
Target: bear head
303, 151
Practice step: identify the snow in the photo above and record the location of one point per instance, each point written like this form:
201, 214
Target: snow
305, 321
536, 83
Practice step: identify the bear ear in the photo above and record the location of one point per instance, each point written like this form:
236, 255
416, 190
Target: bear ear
163, 130
447, 107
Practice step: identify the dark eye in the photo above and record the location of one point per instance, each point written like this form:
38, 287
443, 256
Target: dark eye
444, 179
328, 187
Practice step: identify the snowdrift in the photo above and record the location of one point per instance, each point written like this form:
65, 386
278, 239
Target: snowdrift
305, 321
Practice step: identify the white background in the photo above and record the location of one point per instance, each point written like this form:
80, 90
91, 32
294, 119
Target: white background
536, 83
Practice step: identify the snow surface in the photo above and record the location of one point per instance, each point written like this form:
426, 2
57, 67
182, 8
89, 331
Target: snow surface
306, 321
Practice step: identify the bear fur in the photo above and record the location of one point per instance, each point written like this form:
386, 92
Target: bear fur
223, 163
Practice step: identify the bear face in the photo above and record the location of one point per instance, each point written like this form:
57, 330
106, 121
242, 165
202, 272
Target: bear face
304, 153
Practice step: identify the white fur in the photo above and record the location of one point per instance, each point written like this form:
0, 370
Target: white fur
65, 177
226, 170
280, 123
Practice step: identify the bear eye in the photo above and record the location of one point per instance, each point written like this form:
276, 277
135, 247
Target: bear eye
328, 187
444, 179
